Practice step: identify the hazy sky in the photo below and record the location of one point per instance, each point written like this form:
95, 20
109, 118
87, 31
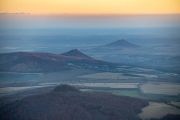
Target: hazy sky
91, 6
112, 21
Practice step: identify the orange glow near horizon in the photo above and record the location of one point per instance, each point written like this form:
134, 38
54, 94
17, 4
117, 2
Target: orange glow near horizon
90, 6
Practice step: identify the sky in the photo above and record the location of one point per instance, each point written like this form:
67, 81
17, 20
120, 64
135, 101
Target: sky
90, 6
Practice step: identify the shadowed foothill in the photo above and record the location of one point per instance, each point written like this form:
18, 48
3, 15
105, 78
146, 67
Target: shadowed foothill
67, 103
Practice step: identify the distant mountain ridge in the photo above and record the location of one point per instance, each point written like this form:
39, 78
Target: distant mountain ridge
49, 62
117, 46
121, 44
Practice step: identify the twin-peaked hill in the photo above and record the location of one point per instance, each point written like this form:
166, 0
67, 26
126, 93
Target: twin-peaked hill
48, 62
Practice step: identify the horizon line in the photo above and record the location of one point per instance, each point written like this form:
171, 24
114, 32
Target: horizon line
89, 14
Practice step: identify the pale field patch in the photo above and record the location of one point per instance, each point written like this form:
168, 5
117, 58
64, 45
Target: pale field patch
107, 75
161, 88
175, 103
109, 85
157, 111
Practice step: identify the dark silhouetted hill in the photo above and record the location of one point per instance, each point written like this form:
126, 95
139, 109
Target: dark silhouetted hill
67, 103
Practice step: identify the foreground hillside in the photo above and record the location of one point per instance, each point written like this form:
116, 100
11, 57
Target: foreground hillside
68, 103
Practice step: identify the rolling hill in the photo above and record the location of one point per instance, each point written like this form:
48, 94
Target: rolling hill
68, 103
48, 62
